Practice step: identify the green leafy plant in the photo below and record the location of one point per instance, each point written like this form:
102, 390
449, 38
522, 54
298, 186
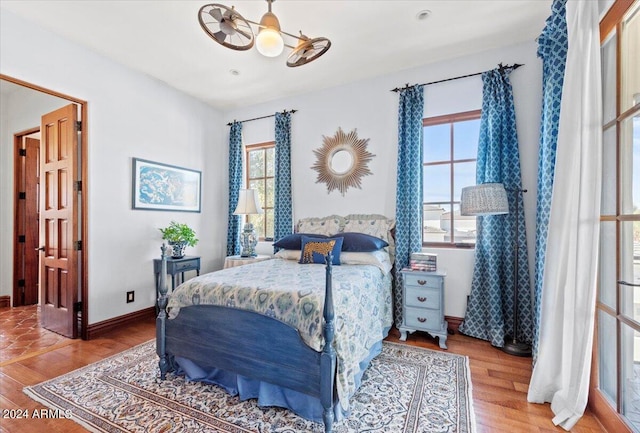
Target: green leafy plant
179, 232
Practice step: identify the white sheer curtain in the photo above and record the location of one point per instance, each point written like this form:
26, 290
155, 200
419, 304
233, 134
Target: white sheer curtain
561, 373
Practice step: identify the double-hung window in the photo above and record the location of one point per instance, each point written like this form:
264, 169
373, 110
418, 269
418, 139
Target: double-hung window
450, 148
260, 175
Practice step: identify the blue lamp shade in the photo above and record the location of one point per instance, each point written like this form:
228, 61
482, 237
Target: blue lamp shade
248, 205
484, 199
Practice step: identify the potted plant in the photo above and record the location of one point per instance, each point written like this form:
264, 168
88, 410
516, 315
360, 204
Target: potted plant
179, 236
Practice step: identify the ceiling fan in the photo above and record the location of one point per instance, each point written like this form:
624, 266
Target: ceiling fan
228, 28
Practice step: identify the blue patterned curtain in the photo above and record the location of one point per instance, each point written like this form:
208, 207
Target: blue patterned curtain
235, 183
409, 185
489, 313
283, 210
552, 49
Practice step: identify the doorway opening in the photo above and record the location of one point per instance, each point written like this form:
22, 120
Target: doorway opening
49, 253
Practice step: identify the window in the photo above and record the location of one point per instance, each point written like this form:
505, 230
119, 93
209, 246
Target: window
260, 176
450, 148
617, 357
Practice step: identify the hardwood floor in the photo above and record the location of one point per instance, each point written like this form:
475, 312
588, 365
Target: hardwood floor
499, 380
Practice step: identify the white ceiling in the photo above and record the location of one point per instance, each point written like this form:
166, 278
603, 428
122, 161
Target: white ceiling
163, 39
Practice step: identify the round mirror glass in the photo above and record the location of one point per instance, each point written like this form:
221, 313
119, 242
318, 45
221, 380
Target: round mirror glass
341, 162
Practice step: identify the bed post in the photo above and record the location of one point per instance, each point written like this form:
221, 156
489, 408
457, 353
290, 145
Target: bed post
162, 316
328, 356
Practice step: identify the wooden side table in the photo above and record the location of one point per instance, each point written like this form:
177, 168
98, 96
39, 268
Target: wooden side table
232, 261
174, 267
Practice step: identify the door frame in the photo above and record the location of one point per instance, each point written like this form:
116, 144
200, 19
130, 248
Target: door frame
84, 214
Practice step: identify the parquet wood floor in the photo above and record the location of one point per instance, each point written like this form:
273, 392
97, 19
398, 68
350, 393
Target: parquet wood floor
499, 380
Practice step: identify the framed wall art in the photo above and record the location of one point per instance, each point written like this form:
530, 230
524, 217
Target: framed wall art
166, 187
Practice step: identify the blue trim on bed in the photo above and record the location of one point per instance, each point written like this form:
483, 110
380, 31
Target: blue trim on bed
271, 395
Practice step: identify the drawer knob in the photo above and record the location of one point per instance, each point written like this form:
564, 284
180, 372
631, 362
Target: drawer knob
421, 319
421, 298
422, 282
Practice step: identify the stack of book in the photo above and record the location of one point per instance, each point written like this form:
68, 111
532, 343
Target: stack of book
423, 262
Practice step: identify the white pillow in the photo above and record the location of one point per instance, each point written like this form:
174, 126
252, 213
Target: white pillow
378, 258
288, 254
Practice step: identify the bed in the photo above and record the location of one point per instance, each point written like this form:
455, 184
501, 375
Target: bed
298, 336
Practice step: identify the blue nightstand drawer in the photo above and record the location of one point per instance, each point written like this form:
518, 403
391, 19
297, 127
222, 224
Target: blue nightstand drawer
423, 318
422, 280
423, 298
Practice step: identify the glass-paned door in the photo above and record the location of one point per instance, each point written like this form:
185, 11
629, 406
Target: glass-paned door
617, 359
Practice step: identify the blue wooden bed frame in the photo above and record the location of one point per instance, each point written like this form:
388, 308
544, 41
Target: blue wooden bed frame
234, 340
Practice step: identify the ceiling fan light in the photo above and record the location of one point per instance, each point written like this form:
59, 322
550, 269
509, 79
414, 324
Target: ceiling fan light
269, 41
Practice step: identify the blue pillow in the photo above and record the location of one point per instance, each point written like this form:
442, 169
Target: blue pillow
361, 243
294, 241
314, 250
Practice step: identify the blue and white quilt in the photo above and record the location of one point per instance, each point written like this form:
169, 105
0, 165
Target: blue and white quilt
294, 294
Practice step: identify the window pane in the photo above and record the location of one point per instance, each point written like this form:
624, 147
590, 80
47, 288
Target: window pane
630, 165
271, 165
630, 52
631, 375
258, 224
270, 192
464, 175
607, 271
435, 229
437, 183
464, 226
437, 143
259, 186
609, 187
630, 268
465, 139
270, 227
607, 356
256, 163
609, 78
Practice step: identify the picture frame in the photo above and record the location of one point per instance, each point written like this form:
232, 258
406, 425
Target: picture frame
164, 187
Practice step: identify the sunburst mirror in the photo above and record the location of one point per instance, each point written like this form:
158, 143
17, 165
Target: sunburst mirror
342, 161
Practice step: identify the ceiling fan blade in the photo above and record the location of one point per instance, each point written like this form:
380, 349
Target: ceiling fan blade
216, 14
220, 36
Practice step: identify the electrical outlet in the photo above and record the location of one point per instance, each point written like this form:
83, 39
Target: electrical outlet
130, 296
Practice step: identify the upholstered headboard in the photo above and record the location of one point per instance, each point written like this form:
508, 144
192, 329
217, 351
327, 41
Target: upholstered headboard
372, 224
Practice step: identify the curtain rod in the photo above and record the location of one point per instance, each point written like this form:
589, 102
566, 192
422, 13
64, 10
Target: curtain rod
262, 117
500, 66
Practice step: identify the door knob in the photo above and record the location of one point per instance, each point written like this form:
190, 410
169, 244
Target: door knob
40, 249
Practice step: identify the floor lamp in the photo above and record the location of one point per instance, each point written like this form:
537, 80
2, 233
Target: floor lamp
491, 199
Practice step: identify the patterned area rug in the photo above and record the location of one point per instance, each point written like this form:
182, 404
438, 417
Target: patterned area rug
406, 389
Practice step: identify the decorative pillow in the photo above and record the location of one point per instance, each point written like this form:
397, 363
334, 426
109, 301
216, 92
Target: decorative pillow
324, 226
294, 241
360, 242
378, 258
314, 250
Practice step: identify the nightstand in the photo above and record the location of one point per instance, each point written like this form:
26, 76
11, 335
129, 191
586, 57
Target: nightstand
176, 266
423, 304
233, 261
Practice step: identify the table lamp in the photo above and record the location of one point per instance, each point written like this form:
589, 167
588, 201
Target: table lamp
248, 205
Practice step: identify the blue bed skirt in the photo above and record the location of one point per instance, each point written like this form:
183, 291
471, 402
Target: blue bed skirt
267, 394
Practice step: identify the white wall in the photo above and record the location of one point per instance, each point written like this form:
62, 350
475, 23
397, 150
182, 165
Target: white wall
370, 107
129, 115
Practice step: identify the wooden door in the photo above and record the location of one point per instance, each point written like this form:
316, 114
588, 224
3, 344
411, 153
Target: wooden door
31, 226
59, 282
